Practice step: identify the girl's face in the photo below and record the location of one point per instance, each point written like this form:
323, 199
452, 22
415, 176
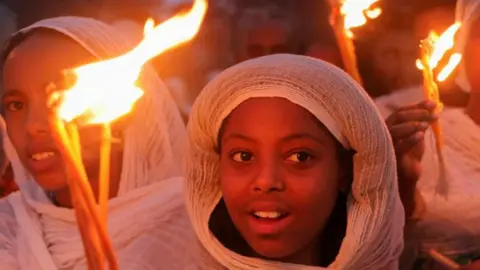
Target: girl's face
29, 68
280, 177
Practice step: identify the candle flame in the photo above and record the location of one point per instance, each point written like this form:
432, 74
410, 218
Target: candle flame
440, 45
104, 91
357, 13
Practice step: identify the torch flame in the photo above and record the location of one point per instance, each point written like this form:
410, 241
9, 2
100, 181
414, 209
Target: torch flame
357, 13
440, 45
106, 90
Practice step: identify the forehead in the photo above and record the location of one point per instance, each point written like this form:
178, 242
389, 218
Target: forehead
277, 115
40, 58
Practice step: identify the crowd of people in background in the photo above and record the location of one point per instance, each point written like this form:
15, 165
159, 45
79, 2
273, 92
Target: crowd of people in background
235, 31
244, 74
238, 30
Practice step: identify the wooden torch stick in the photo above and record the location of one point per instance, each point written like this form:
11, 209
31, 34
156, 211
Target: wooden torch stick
87, 230
345, 43
70, 141
104, 177
446, 262
87, 193
431, 92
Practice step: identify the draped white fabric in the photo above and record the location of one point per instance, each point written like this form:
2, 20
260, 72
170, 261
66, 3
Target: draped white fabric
147, 221
374, 237
451, 226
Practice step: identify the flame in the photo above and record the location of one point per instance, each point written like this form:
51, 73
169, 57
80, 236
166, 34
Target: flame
357, 13
441, 45
106, 90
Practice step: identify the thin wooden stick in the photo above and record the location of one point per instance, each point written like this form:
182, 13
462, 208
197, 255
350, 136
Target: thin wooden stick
431, 92
87, 193
345, 43
104, 177
446, 262
87, 231
78, 172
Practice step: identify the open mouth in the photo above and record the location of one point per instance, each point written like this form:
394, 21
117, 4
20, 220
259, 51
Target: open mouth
264, 215
42, 156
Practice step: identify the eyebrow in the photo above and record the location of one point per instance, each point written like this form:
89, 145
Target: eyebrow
304, 135
290, 137
238, 136
10, 93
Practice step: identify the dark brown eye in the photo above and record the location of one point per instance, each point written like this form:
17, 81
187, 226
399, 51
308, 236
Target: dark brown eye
242, 156
299, 157
15, 106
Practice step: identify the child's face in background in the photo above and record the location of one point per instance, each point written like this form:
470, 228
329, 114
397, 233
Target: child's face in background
280, 177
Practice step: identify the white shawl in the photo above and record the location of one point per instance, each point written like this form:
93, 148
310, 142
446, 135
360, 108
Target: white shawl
374, 237
451, 226
147, 220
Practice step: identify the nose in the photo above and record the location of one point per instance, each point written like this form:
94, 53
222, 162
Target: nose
269, 178
37, 119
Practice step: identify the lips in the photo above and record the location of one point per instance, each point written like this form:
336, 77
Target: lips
268, 219
43, 158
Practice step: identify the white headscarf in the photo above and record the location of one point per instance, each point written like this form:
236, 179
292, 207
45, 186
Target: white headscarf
467, 12
34, 234
374, 237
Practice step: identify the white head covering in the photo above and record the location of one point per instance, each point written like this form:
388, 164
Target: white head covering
467, 12
375, 214
140, 217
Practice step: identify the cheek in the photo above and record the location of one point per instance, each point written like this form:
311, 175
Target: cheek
313, 195
16, 132
233, 181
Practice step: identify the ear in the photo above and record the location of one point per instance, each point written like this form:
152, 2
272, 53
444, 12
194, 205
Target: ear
345, 180
345, 172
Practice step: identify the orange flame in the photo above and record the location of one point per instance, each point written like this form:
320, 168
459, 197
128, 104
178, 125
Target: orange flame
106, 90
439, 46
357, 13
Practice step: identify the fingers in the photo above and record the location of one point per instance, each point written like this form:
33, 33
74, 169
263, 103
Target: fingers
408, 143
407, 130
407, 126
421, 112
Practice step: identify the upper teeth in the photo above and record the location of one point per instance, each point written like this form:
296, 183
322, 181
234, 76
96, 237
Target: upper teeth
267, 214
43, 155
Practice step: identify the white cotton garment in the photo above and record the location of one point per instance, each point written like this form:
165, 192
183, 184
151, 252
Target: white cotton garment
147, 221
451, 225
398, 99
374, 237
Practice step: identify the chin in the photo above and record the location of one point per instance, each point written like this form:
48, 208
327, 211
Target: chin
273, 250
51, 181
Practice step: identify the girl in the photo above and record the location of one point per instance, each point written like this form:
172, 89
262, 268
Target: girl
37, 225
272, 183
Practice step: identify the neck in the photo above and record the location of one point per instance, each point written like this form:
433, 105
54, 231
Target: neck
473, 108
63, 197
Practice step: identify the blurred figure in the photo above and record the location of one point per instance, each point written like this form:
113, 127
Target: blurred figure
257, 39
437, 19
325, 52
8, 23
392, 61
